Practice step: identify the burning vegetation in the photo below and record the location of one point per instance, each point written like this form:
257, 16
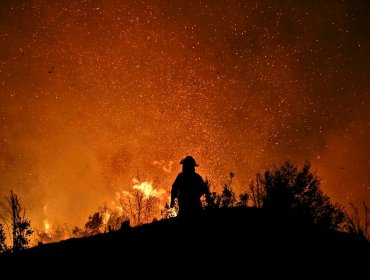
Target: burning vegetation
141, 205
286, 189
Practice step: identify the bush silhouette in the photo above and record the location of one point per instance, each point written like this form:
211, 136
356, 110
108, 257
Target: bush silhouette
214, 200
226, 198
294, 190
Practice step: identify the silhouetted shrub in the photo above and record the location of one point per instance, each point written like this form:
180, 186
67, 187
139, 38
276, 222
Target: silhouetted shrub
226, 199
289, 188
212, 199
243, 200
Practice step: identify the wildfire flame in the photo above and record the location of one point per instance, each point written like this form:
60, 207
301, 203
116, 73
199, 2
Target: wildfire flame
172, 213
46, 226
106, 217
142, 204
147, 189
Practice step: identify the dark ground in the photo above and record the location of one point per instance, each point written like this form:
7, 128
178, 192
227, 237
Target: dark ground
235, 241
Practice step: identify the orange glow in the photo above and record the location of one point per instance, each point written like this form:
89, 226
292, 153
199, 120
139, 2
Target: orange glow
94, 91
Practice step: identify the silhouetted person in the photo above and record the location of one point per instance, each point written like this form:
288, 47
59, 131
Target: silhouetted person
188, 189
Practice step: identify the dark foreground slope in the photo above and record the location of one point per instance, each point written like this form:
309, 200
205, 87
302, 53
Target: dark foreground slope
235, 238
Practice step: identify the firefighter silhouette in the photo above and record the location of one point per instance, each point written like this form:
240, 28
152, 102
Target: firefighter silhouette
188, 189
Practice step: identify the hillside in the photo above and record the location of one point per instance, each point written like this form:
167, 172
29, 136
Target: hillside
227, 237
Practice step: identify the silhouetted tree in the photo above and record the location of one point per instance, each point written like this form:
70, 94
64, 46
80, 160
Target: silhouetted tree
256, 192
354, 224
138, 206
134, 205
288, 188
3, 246
20, 225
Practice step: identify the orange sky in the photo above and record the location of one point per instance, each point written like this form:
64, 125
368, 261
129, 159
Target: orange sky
93, 91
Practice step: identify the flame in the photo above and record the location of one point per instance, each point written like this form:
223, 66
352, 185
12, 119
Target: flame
147, 189
172, 212
46, 226
106, 217
142, 204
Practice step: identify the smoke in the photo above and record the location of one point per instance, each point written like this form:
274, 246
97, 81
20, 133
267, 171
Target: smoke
161, 164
